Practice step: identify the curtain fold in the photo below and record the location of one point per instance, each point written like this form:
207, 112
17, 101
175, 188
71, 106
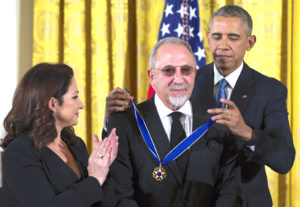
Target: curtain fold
101, 61
108, 43
46, 31
74, 54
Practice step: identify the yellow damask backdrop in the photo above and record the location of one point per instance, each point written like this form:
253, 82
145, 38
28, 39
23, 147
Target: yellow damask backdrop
108, 42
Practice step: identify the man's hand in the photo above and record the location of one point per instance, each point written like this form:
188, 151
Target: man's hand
232, 118
116, 100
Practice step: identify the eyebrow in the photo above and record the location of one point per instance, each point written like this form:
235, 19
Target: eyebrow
233, 35
216, 33
230, 34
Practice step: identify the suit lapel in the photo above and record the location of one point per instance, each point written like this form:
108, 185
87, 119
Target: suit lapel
159, 136
243, 89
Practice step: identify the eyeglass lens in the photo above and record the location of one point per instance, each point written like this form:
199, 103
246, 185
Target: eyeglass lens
171, 70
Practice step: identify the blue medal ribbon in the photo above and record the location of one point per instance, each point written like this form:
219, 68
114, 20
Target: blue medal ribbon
178, 149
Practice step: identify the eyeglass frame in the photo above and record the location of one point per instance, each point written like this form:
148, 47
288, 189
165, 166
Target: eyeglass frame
175, 66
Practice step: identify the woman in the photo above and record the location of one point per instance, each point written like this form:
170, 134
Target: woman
44, 163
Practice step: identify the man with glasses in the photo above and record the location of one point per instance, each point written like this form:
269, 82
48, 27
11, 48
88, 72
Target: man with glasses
256, 109
164, 158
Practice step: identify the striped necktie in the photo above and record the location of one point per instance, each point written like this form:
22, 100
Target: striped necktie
221, 93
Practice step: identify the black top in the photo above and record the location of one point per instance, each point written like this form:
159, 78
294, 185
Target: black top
40, 178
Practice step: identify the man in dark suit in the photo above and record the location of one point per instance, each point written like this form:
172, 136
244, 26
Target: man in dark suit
256, 105
206, 174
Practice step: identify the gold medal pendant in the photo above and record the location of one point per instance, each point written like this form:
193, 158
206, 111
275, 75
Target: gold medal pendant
159, 173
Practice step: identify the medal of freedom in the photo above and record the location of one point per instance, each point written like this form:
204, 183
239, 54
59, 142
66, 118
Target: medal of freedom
159, 173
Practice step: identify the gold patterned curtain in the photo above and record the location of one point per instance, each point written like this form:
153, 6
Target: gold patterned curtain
108, 43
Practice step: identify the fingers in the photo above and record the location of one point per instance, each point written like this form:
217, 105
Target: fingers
230, 104
112, 134
108, 147
95, 139
113, 148
115, 104
222, 116
116, 100
118, 96
99, 146
103, 146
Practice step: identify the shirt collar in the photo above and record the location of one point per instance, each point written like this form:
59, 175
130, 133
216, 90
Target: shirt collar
164, 111
231, 78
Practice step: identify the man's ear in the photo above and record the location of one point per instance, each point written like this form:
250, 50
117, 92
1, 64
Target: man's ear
151, 76
52, 104
251, 42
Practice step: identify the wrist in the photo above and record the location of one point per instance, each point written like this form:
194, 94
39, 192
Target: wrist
99, 179
248, 134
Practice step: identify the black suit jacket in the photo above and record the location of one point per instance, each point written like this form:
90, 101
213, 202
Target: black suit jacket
212, 176
262, 103
34, 178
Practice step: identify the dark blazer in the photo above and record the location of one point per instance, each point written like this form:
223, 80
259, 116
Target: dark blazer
33, 178
212, 174
262, 103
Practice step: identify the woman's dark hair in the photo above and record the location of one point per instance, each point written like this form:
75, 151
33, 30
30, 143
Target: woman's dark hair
30, 111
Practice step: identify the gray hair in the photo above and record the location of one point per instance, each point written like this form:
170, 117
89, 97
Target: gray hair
234, 11
168, 40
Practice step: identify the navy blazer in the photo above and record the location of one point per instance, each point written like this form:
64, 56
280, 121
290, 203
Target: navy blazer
212, 175
33, 178
262, 103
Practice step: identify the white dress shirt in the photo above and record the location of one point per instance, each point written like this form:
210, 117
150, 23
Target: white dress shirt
164, 112
231, 80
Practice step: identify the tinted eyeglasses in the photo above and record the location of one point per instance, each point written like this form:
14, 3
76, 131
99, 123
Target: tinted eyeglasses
170, 70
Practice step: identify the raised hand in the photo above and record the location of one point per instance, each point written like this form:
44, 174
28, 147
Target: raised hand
116, 100
232, 118
102, 156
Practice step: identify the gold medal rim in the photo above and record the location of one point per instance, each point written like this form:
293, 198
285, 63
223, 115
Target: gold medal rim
162, 170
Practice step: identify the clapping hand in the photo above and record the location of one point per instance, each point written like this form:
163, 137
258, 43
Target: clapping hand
103, 155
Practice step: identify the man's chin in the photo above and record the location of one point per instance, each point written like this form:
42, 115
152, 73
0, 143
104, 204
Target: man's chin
178, 101
222, 65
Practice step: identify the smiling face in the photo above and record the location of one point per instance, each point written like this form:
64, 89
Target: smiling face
228, 41
66, 114
174, 90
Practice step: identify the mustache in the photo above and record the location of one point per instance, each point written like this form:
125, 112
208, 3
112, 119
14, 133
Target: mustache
177, 87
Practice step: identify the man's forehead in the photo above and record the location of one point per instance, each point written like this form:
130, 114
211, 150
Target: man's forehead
171, 48
228, 25
173, 52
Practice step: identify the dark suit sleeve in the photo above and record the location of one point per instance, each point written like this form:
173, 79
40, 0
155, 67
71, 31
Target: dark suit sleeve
122, 170
26, 178
273, 141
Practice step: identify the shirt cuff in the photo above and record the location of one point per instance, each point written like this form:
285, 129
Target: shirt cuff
251, 142
105, 125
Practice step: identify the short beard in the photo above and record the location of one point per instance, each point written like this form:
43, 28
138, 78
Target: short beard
178, 100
